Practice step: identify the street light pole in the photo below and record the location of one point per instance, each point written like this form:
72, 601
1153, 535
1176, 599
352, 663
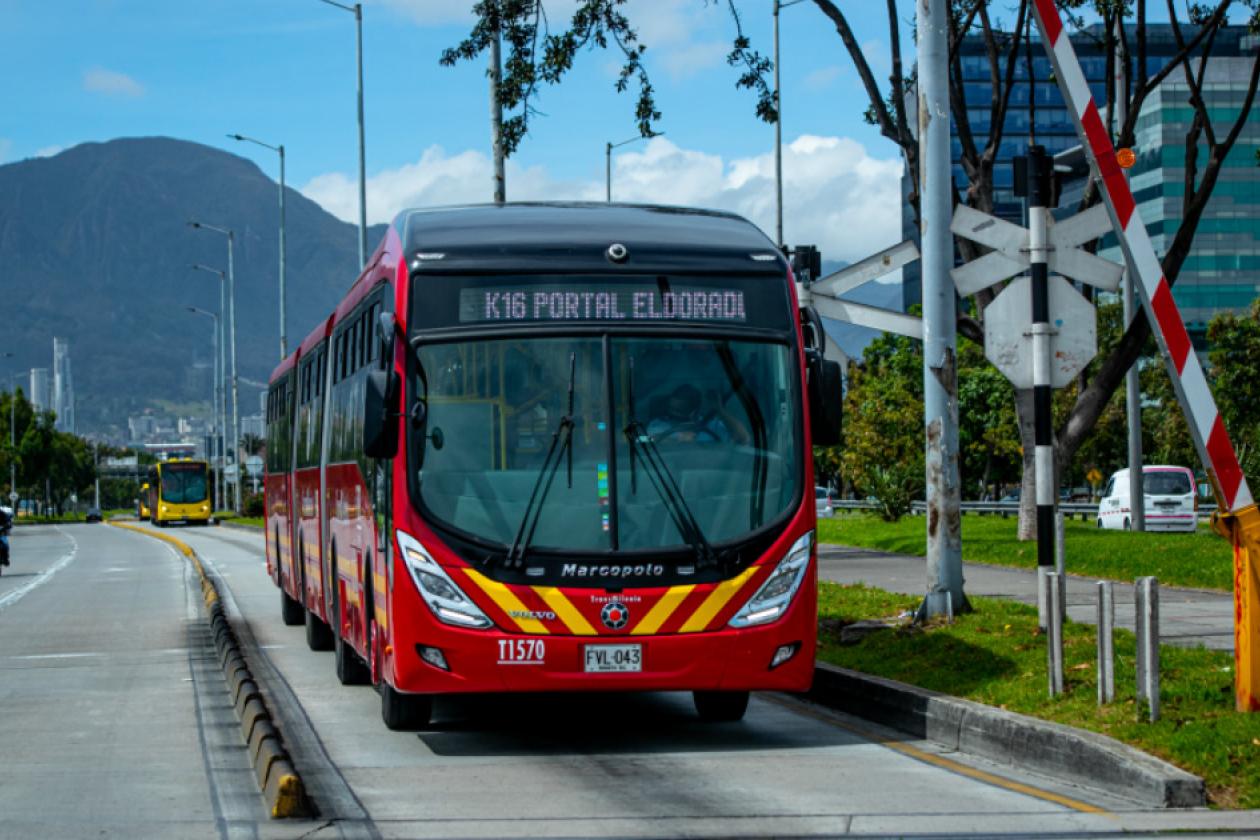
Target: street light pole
221, 443
214, 385
357, 11
236, 403
778, 130
608, 147
12, 435
284, 351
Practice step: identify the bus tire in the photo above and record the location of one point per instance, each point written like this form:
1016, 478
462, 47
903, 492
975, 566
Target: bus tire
404, 712
721, 706
351, 669
291, 610
318, 634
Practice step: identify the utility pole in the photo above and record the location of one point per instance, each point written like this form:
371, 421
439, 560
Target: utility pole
778, 137
940, 380
1132, 387
496, 120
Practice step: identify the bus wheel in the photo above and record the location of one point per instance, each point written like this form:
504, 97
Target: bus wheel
291, 610
721, 706
351, 669
318, 634
404, 712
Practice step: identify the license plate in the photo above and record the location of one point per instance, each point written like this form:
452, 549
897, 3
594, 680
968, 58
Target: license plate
606, 659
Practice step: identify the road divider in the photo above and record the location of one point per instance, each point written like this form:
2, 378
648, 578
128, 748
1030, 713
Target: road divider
279, 782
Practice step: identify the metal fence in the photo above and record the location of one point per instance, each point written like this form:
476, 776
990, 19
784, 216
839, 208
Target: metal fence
1086, 511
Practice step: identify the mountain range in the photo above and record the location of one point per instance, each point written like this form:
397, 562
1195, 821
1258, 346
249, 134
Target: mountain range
95, 248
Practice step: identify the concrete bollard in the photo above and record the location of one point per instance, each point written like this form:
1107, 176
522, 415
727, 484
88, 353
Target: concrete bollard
1106, 646
1146, 624
1054, 638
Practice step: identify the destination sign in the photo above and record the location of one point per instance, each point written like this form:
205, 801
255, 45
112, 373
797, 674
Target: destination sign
593, 303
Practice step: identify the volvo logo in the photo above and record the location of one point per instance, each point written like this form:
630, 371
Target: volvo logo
615, 615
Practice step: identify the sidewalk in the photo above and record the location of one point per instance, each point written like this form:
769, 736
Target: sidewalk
1188, 617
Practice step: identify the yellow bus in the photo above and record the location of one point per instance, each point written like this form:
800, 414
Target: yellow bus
142, 503
179, 491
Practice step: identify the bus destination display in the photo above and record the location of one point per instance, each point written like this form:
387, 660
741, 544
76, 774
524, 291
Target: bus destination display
537, 303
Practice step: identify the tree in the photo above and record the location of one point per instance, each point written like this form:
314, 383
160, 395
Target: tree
1235, 342
538, 56
883, 421
1124, 26
251, 444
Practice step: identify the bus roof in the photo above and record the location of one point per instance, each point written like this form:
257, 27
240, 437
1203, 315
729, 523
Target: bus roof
316, 336
576, 236
286, 365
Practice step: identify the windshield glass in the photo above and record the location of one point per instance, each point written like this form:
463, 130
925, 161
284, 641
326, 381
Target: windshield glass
719, 413
183, 483
1166, 483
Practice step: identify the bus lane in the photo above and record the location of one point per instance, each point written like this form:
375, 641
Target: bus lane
602, 764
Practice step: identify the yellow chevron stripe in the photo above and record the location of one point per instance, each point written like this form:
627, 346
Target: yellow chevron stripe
662, 610
506, 601
568, 613
716, 600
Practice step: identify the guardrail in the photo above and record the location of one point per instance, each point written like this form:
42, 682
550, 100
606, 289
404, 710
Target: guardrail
1085, 510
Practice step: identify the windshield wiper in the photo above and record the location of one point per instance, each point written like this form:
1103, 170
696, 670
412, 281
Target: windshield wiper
546, 474
665, 485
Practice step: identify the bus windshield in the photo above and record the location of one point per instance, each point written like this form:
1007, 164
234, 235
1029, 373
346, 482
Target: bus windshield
183, 484
661, 430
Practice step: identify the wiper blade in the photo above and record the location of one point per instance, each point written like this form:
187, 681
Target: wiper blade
561, 442
667, 488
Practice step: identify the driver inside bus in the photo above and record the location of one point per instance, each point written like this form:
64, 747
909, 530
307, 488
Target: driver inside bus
687, 416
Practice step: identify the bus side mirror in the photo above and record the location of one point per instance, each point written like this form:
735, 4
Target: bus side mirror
386, 327
826, 400
380, 427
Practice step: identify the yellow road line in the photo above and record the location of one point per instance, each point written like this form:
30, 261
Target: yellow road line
941, 761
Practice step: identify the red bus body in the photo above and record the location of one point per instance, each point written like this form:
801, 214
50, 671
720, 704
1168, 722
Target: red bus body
347, 539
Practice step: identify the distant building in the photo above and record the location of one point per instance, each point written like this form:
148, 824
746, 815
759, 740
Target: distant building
63, 385
253, 425
1052, 124
142, 427
41, 389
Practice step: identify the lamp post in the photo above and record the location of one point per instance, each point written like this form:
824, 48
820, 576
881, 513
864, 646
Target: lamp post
221, 376
284, 351
357, 11
12, 437
608, 147
231, 280
214, 384
778, 130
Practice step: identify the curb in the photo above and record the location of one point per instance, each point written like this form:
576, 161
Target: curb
279, 782
1052, 749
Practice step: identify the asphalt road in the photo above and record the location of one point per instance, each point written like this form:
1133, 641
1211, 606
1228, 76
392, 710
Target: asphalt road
113, 723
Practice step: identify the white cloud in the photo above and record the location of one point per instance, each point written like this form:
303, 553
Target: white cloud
111, 83
834, 193
49, 151
689, 59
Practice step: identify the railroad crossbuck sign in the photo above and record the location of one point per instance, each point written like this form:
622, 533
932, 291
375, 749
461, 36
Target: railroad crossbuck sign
1007, 338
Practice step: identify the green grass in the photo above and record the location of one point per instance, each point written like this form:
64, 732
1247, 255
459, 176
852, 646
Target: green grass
252, 521
1202, 559
996, 656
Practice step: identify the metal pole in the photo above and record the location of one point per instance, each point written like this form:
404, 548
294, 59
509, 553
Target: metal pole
608, 172
1106, 642
1146, 602
1054, 639
284, 347
778, 138
940, 381
496, 122
1038, 225
221, 436
363, 249
1132, 388
236, 402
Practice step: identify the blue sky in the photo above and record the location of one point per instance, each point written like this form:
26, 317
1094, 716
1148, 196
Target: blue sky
283, 71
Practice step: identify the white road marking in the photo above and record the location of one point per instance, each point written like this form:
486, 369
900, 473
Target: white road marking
55, 655
17, 594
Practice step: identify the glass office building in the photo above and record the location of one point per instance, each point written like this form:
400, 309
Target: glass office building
1037, 113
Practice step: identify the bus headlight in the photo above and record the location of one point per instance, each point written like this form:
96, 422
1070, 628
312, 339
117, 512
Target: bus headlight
772, 599
443, 596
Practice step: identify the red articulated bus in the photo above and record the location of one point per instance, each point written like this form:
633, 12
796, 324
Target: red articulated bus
556, 447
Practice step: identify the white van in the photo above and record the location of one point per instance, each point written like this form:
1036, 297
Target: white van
1170, 496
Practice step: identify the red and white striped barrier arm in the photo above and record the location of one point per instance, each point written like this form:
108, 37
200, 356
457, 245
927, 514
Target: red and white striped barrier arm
1189, 382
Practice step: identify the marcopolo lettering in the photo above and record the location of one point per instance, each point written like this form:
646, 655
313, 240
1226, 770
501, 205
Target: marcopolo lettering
641, 570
